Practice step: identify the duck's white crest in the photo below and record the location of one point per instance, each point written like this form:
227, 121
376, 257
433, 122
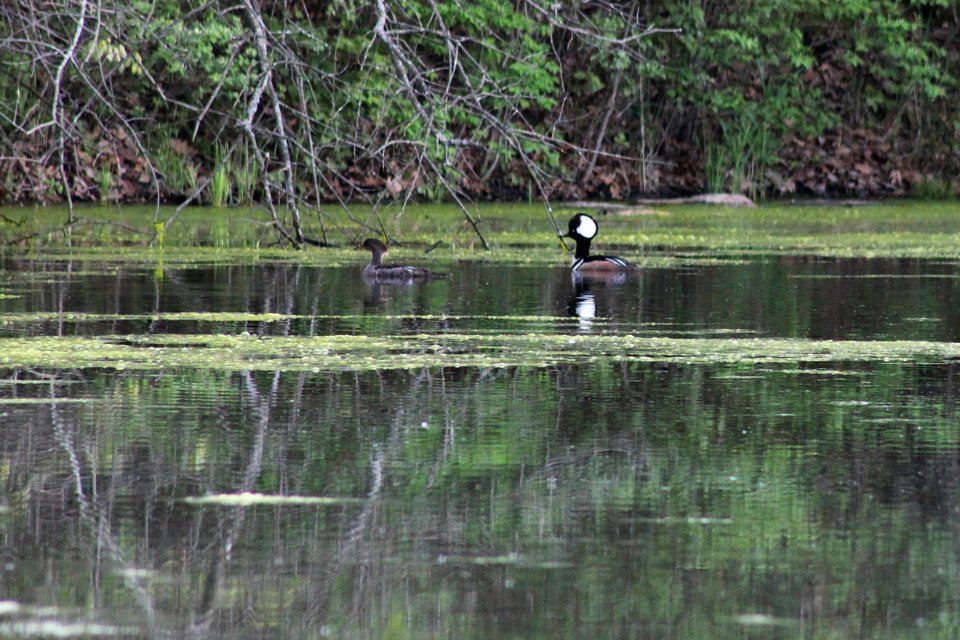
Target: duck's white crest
587, 227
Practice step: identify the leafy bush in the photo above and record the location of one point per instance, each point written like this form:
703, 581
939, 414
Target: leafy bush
482, 97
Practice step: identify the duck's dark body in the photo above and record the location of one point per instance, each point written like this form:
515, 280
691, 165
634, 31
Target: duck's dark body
582, 228
386, 272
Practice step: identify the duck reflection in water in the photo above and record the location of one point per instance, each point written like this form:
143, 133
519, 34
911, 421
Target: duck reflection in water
583, 305
586, 269
380, 278
600, 296
410, 305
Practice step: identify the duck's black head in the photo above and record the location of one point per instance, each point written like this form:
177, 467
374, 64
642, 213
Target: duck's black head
374, 245
582, 226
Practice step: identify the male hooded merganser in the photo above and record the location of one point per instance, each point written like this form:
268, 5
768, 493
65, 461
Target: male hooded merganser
397, 273
582, 229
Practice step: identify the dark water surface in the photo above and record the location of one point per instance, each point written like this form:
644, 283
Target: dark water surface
599, 499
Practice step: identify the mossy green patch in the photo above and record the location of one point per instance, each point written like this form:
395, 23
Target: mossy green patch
249, 499
519, 234
235, 316
360, 352
4, 401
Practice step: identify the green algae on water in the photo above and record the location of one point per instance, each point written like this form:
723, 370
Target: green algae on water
522, 234
365, 353
250, 499
7, 401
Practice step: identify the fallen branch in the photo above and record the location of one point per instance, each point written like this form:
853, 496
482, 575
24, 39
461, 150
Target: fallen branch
722, 199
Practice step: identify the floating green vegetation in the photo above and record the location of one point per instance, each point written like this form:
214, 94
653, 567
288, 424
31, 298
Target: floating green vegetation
250, 499
27, 621
878, 276
49, 381
61, 629
762, 620
438, 259
362, 352
509, 559
4, 401
207, 316
519, 234
198, 256
237, 316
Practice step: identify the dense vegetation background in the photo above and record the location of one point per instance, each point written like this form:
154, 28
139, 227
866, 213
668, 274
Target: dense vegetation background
298, 104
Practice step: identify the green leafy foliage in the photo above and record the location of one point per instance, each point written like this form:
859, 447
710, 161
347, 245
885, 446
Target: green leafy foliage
203, 51
751, 70
483, 90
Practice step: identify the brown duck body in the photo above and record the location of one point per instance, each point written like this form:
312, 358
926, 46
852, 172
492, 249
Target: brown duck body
582, 228
383, 272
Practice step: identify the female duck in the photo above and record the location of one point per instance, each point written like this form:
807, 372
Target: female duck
397, 273
582, 229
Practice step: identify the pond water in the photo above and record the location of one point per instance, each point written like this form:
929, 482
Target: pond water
764, 446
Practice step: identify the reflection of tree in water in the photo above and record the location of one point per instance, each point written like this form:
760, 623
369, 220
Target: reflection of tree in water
140, 496
471, 482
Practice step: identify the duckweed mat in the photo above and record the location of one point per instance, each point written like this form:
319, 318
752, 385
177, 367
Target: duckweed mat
517, 233
363, 353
